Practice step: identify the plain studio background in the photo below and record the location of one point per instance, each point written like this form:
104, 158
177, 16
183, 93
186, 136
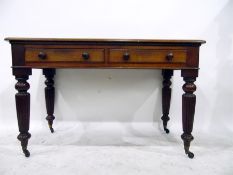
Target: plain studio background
108, 121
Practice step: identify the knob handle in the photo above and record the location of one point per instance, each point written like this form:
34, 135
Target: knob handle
42, 55
169, 56
85, 55
126, 56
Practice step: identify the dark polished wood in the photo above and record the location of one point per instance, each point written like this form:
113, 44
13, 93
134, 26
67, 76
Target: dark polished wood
108, 40
166, 97
22, 99
53, 53
49, 96
188, 107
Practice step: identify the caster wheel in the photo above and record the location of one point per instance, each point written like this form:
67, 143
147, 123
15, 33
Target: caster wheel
190, 155
26, 153
52, 130
166, 130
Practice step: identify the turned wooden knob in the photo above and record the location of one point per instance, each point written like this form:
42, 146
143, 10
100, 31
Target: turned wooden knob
169, 56
85, 55
42, 55
126, 56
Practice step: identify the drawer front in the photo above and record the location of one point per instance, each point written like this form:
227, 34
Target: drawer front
64, 55
147, 56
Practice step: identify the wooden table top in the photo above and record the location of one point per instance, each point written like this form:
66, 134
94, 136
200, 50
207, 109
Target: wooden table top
103, 40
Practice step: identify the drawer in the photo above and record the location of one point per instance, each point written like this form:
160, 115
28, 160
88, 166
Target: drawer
147, 56
64, 55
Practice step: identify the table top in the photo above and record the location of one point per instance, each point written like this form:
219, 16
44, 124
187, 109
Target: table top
20, 39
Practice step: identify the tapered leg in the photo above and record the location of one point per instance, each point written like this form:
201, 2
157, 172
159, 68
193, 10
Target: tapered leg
166, 97
49, 96
188, 108
22, 99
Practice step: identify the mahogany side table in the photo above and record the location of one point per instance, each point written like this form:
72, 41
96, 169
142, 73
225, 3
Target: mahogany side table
50, 54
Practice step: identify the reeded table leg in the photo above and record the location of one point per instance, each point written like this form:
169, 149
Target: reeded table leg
188, 108
49, 96
166, 97
22, 99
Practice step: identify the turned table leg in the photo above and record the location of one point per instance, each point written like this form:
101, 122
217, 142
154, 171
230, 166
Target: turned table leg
166, 97
188, 108
49, 96
22, 99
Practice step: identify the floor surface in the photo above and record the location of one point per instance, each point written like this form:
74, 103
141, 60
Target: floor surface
112, 148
